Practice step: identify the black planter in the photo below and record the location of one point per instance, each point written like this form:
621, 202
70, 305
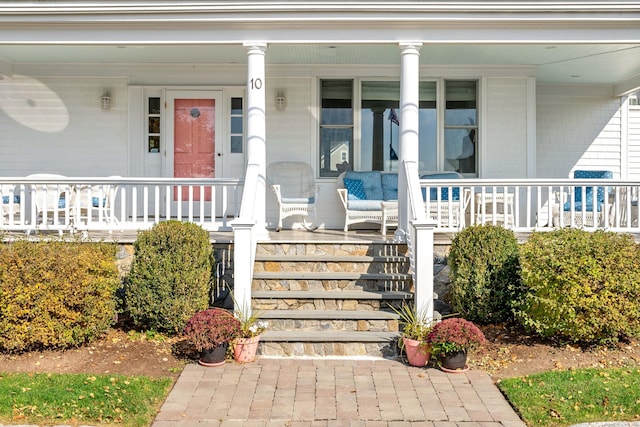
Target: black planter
454, 361
214, 357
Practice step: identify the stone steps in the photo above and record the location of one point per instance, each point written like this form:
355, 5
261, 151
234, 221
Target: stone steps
332, 320
330, 299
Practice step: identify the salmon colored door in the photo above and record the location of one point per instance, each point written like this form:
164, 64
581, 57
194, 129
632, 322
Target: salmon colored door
194, 143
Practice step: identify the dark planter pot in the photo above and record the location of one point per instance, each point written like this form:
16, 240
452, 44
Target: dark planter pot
214, 357
455, 361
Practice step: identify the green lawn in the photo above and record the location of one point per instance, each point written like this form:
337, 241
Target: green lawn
560, 398
81, 399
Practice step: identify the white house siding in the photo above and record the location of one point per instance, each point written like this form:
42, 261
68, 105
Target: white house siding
93, 143
505, 137
634, 142
577, 128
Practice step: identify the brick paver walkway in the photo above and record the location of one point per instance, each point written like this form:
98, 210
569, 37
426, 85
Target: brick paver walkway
329, 392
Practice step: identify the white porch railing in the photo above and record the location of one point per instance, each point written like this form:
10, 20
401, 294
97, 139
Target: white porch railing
107, 204
49, 202
538, 204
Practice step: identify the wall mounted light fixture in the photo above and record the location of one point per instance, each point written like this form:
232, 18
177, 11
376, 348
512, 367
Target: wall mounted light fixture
105, 100
281, 100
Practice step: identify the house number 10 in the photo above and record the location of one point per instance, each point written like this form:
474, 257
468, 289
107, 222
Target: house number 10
256, 83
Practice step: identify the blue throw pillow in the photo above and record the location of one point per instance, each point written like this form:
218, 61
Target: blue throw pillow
62, 203
390, 186
355, 189
5, 199
95, 202
434, 192
371, 182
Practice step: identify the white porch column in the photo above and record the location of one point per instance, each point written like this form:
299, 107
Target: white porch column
409, 124
256, 127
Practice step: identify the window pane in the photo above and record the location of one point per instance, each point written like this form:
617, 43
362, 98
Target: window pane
380, 125
337, 108
335, 145
154, 124
460, 150
154, 105
154, 144
428, 127
461, 103
236, 124
236, 105
236, 144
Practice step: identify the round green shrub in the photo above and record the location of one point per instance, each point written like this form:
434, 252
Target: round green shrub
581, 286
56, 294
485, 273
170, 276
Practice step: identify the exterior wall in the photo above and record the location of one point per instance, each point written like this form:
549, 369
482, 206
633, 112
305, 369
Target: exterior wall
94, 142
504, 146
577, 128
634, 142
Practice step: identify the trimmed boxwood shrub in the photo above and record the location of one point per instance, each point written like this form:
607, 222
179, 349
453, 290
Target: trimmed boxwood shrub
55, 294
485, 273
170, 276
581, 286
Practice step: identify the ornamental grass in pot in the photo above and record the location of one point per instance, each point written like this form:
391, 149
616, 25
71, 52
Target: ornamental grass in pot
451, 340
245, 345
415, 329
210, 332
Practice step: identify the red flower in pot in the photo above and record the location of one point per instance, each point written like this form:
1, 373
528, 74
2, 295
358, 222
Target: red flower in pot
451, 339
210, 332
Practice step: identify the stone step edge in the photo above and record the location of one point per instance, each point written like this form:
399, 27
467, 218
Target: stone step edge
328, 275
332, 258
328, 336
349, 295
329, 314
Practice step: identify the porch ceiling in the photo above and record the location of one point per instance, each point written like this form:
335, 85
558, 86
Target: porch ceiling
609, 64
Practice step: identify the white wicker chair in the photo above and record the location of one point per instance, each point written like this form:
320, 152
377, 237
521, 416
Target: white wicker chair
94, 203
11, 203
293, 184
52, 204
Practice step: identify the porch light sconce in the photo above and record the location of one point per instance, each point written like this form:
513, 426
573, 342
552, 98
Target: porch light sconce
105, 100
281, 100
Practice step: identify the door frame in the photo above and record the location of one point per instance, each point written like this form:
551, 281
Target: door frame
221, 143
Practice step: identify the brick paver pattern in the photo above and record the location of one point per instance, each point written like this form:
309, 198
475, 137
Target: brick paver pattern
332, 393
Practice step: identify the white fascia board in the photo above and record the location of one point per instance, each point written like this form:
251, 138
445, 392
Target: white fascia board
118, 34
320, 22
627, 86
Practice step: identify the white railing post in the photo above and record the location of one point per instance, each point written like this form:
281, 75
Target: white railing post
423, 267
243, 258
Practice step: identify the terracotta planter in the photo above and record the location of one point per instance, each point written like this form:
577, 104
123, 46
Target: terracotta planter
244, 349
214, 357
454, 362
417, 352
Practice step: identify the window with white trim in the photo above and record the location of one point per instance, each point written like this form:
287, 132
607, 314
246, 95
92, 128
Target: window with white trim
448, 114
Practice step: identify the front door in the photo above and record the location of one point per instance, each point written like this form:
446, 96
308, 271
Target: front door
193, 132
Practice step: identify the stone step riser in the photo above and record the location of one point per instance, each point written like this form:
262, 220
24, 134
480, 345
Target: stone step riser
323, 304
331, 285
331, 267
289, 349
331, 249
362, 325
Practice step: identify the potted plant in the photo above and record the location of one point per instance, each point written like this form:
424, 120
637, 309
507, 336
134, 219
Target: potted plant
415, 329
451, 339
210, 332
245, 345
